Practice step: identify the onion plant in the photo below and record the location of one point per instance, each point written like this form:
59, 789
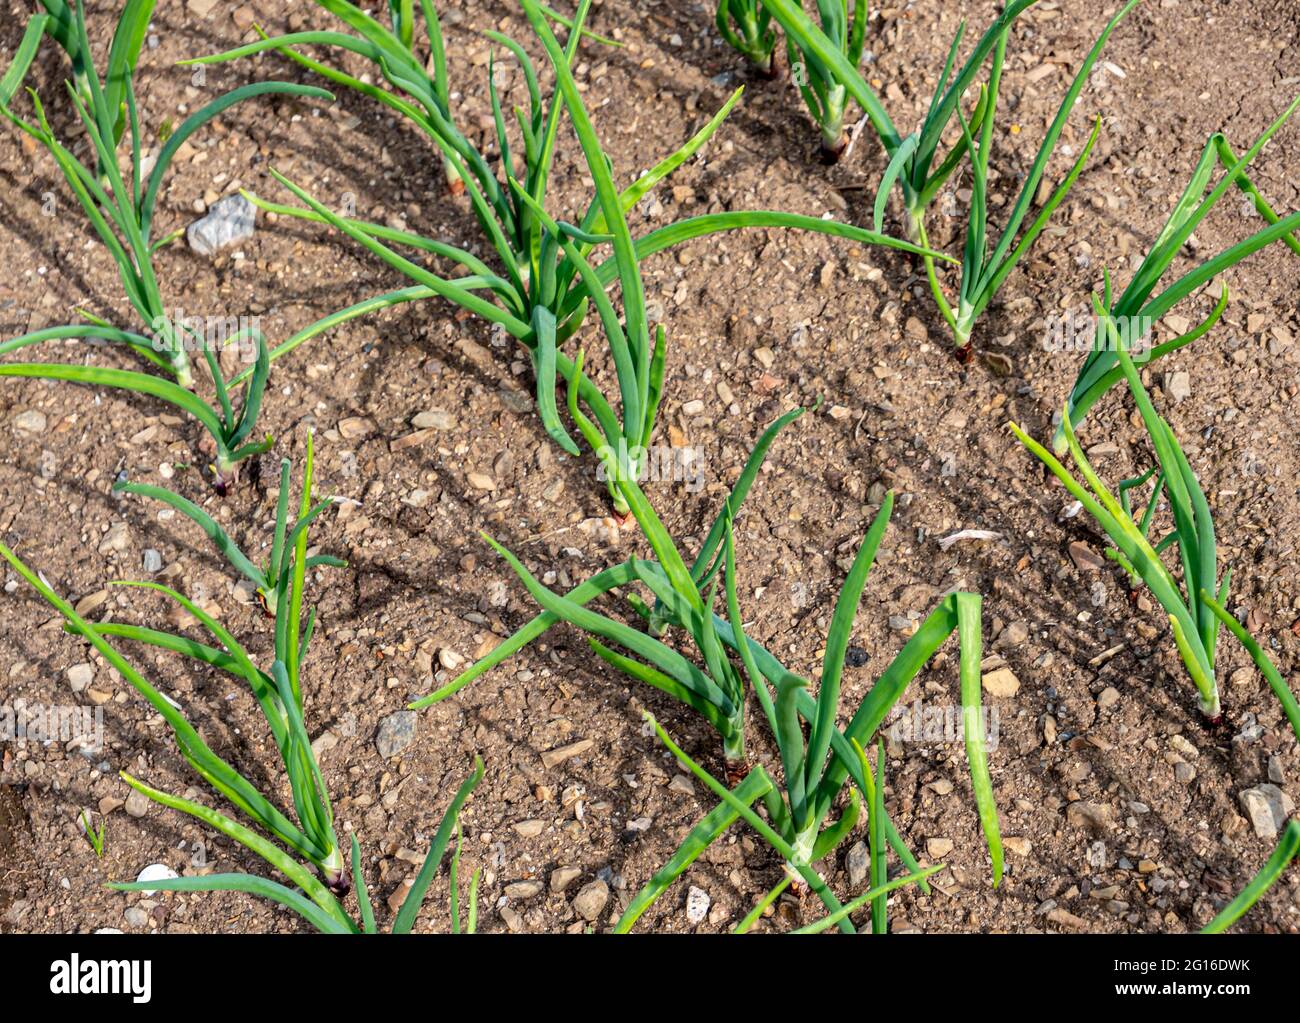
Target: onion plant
747, 27
1193, 622
823, 92
815, 769
1139, 307
288, 546
96, 836
547, 277
833, 70
119, 205
738, 803
983, 272
277, 692
1288, 847
230, 427
318, 904
287, 846
912, 158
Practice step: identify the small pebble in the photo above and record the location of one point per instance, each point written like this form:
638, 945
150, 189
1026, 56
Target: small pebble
591, 900
137, 803
396, 732
30, 421
697, 905
1001, 683
155, 872
858, 864
80, 676
228, 221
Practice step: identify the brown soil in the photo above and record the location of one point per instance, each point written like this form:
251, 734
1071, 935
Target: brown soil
852, 326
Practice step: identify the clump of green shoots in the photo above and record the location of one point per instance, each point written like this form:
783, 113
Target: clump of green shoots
820, 86
816, 766
319, 904
228, 426
912, 158
1136, 310
94, 835
983, 272
547, 276
286, 845
277, 690
738, 803
815, 769
747, 27
120, 207
1196, 611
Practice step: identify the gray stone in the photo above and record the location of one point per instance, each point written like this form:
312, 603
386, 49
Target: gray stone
117, 538
858, 864
137, 804
396, 732
31, 421
434, 419
1267, 807
562, 877
521, 890
591, 900
228, 221
682, 784
1275, 772
155, 872
80, 676
1014, 635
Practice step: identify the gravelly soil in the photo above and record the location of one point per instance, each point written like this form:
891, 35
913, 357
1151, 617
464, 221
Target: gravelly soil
758, 323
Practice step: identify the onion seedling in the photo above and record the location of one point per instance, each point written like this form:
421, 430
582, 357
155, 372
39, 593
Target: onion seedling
278, 693
983, 272
316, 903
284, 845
1198, 611
1287, 849
546, 279
814, 771
912, 158
119, 205
1193, 622
1136, 309
288, 546
758, 787
746, 25
95, 836
228, 427
823, 92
